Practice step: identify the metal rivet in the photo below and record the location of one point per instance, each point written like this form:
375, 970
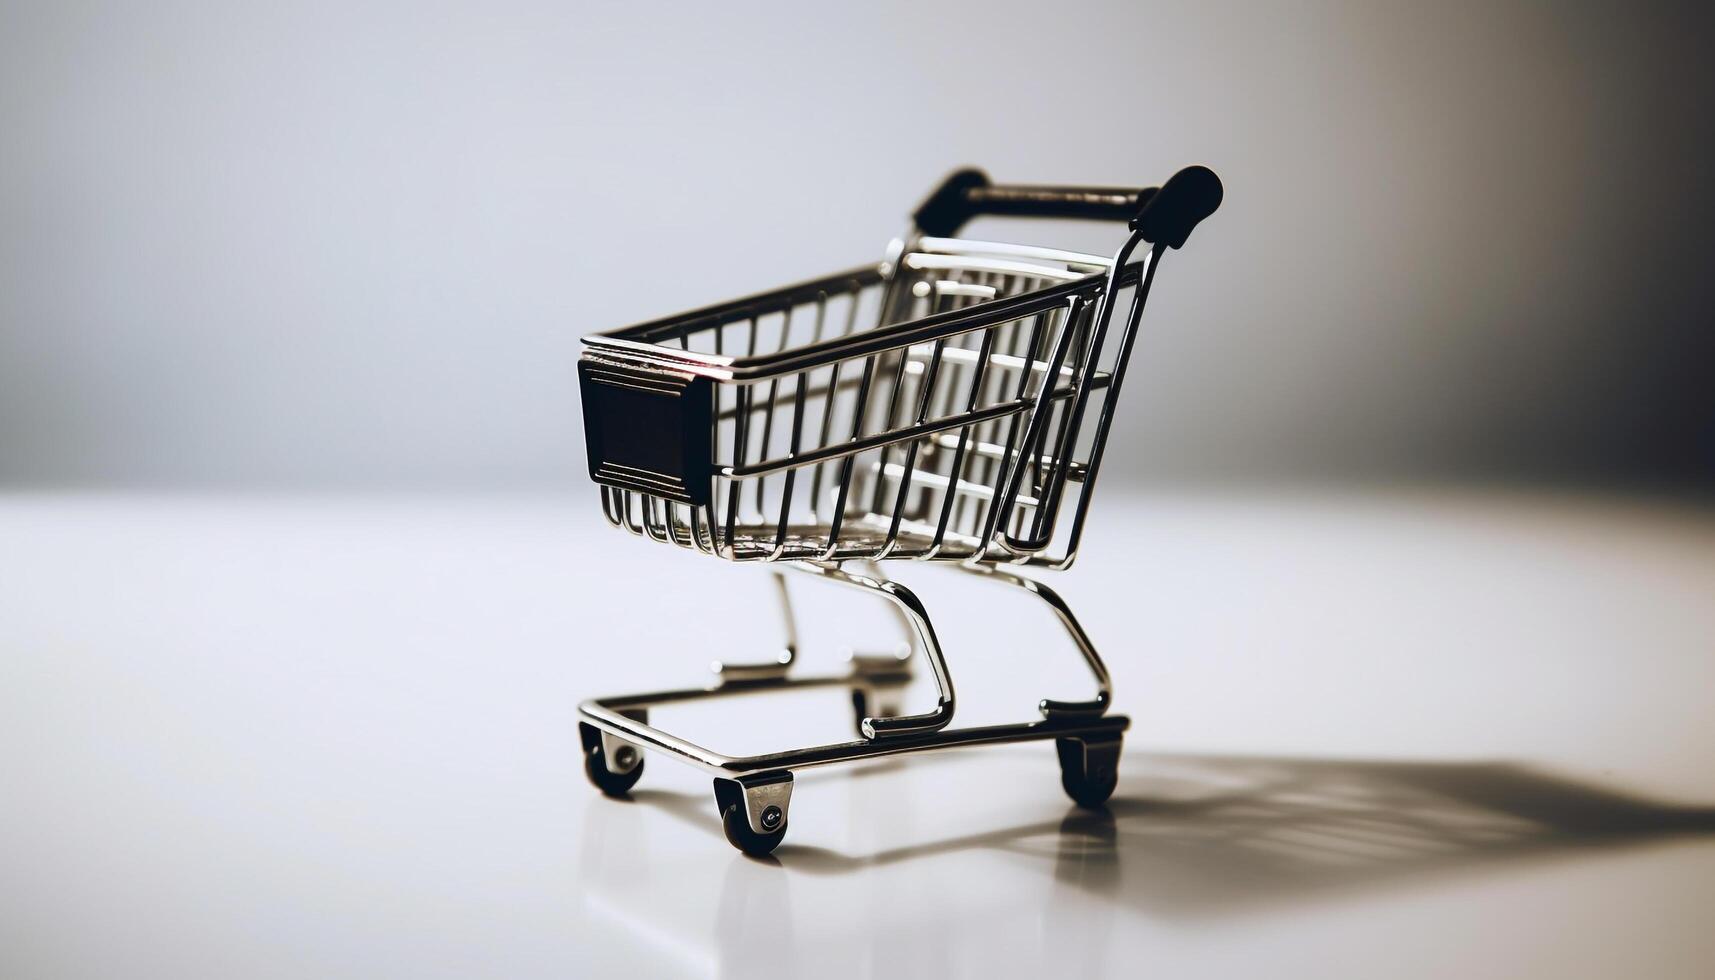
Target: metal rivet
771, 817
625, 756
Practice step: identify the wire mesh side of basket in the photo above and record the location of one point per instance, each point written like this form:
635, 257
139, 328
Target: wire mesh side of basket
974, 444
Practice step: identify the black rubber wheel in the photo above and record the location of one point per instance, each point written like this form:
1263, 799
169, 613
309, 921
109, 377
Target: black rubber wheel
1088, 788
615, 784
739, 834
1091, 794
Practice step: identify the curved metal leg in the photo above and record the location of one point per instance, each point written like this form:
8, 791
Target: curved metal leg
892, 662
788, 653
912, 609
879, 679
1104, 684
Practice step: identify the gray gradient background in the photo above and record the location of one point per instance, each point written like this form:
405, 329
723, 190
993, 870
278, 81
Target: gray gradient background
353, 245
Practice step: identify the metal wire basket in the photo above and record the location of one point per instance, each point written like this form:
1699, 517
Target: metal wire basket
949, 404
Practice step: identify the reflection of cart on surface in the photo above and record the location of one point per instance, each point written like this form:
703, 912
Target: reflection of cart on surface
939, 406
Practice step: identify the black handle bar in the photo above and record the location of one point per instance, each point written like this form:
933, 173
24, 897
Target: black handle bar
1163, 215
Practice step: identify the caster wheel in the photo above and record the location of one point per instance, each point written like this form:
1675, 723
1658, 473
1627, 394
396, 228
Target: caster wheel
615, 784
739, 834
1089, 770
768, 794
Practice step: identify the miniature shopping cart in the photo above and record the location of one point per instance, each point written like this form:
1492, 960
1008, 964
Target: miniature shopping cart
949, 404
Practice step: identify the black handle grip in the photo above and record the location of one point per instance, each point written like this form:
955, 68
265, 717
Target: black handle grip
1169, 214
1187, 198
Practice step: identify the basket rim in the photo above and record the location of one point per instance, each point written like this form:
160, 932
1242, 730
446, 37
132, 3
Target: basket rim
633, 343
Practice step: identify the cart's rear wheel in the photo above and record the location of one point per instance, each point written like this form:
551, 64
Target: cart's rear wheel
739, 834
611, 783
1089, 769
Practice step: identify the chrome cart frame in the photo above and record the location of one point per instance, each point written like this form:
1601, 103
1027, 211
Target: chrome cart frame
931, 408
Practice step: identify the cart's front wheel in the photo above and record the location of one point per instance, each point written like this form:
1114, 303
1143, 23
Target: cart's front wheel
753, 810
628, 760
739, 834
1089, 769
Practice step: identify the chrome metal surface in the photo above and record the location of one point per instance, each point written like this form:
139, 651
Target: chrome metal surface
619, 755
602, 713
767, 800
935, 413
931, 407
1104, 684
907, 603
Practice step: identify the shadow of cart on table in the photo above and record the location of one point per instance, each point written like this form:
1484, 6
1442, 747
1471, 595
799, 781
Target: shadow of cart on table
1195, 836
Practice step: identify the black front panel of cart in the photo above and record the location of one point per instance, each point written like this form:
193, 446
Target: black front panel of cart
647, 429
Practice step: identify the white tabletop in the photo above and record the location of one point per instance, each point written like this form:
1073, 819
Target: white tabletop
1381, 734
